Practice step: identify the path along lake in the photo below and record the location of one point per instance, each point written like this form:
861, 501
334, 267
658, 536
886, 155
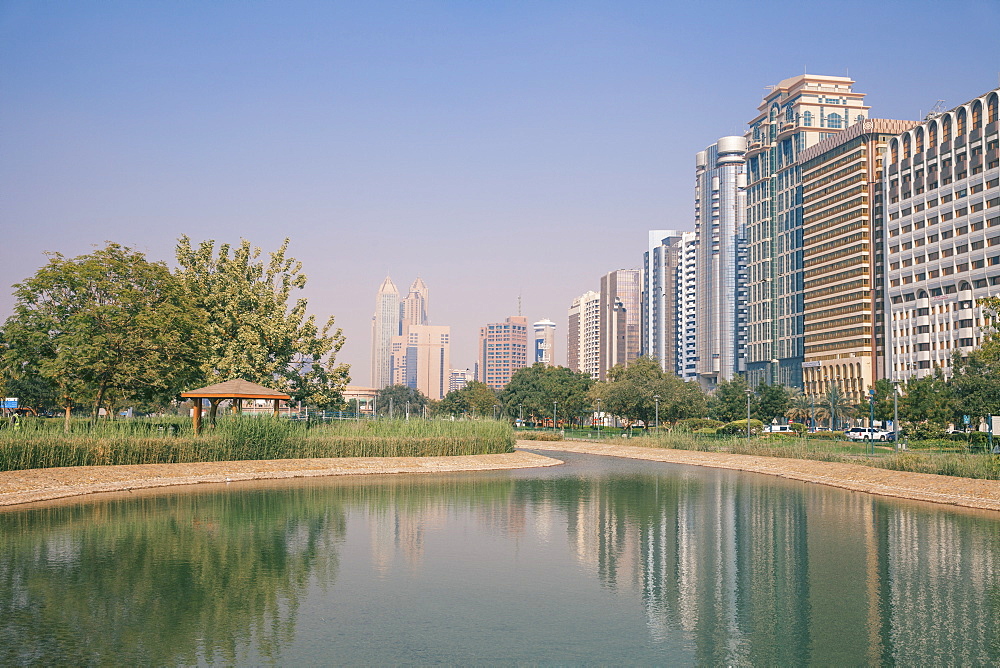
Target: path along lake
599, 561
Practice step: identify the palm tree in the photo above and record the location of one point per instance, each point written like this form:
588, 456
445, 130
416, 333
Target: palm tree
834, 406
800, 406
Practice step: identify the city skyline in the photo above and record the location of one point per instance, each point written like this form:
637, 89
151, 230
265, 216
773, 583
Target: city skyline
349, 129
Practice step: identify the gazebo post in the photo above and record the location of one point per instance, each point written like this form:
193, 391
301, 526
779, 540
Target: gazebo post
276, 401
196, 415
213, 411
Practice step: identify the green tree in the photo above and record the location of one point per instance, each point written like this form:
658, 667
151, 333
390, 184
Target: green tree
630, 394
801, 406
474, 399
834, 406
729, 401
532, 391
975, 381
103, 326
883, 400
928, 399
254, 330
395, 400
772, 402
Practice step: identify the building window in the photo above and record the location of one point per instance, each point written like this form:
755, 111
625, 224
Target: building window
834, 121
807, 119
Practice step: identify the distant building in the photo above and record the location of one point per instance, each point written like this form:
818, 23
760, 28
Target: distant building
413, 309
583, 336
659, 297
687, 308
620, 319
459, 378
503, 349
545, 341
942, 236
385, 326
427, 362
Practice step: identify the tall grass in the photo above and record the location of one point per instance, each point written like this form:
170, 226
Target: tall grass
38, 444
964, 465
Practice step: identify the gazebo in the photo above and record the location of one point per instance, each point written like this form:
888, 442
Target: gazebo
237, 390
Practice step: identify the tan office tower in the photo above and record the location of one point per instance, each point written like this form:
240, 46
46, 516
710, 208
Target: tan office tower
503, 349
621, 319
427, 352
942, 190
843, 258
583, 336
413, 310
385, 326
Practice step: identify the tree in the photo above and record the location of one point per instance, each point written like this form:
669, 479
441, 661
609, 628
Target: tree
834, 406
801, 407
473, 399
397, 400
772, 401
254, 331
928, 399
103, 326
883, 399
631, 393
729, 402
975, 381
532, 390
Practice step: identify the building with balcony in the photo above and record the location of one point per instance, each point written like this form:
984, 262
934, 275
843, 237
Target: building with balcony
659, 297
583, 335
620, 319
844, 259
503, 349
942, 235
686, 318
796, 114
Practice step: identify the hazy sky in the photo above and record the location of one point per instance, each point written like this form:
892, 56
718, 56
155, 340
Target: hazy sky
492, 148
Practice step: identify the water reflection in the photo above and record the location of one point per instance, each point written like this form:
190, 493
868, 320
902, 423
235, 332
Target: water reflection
695, 566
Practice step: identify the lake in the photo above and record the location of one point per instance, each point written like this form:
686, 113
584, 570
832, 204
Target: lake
599, 561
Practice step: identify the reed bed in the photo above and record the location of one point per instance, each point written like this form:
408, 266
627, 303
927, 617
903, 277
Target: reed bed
981, 466
245, 438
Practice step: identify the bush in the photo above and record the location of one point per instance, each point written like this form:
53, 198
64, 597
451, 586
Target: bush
708, 431
924, 431
826, 435
539, 436
798, 427
694, 425
739, 428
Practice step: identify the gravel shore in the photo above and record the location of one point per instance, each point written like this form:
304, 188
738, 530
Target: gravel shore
19, 487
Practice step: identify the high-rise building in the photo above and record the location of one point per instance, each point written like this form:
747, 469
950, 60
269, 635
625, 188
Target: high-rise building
385, 326
659, 297
686, 318
503, 349
620, 318
427, 353
844, 258
942, 198
583, 337
413, 309
720, 280
459, 378
798, 113
545, 341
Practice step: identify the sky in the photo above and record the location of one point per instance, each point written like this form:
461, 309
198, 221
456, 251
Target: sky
498, 150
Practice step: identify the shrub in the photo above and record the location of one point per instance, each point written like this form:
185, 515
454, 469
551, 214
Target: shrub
740, 428
539, 436
826, 435
708, 431
694, 425
798, 427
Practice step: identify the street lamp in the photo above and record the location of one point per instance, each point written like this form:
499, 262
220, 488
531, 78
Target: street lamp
520, 415
749, 394
554, 415
495, 407
895, 414
871, 417
656, 401
600, 418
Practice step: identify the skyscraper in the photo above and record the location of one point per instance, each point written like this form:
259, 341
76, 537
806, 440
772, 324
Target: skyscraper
428, 359
659, 297
687, 308
413, 310
385, 325
796, 114
620, 318
583, 336
545, 339
503, 349
720, 272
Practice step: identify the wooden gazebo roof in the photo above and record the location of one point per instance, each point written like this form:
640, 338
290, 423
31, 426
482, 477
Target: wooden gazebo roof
235, 389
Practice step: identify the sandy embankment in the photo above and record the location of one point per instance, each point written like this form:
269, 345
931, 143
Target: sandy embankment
18, 487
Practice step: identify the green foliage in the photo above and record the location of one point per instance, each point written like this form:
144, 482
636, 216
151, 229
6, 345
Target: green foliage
539, 435
729, 401
105, 328
253, 329
928, 400
739, 428
772, 402
800, 406
631, 393
834, 406
393, 401
696, 424
532, 391
475, 399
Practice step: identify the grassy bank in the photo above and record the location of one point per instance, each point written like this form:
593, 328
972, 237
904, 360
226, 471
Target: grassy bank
42, 444
982, 466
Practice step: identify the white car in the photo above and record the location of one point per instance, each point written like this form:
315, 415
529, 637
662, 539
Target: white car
778, 429
866, 434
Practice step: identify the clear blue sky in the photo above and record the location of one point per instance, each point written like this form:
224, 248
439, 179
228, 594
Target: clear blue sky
491, 148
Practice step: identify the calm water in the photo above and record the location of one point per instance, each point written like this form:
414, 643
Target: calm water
599, 561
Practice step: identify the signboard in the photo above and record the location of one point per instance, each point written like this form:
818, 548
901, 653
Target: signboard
994, 425
811, 365
966, 419
10, 402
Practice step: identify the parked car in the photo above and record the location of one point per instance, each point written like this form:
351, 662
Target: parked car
866, 434
778, 429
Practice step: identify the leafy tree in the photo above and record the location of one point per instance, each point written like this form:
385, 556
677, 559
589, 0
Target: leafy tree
975, 381
772, 401
834, 406
729, 401
801, 407
473, 399
394, 399
532, 390
108, 324
928, 399
254, 330
631, 393
883, 400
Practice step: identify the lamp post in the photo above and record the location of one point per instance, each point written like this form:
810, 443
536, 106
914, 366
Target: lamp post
407, 410
600, 418
554, 403
656, 401
895, 414
749, 394
495, 411
812, 413
871, 418
520, 415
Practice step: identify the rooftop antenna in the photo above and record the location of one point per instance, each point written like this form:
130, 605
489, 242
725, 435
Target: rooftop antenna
935, 111
519, 303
